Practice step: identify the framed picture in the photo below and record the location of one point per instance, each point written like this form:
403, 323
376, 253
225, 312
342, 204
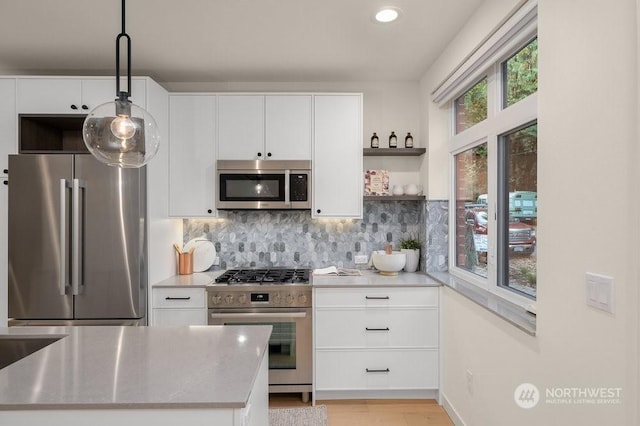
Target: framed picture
376, 182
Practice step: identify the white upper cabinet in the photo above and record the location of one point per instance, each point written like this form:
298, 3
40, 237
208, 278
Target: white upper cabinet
8, 134
241, 127
337, 156
264, 127
288, 127
53, 95
49, 96
192, 155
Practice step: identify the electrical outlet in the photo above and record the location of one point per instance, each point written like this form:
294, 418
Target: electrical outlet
216, 261
470, 382
360, 259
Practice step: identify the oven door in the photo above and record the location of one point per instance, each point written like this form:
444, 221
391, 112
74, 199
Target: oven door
289, 346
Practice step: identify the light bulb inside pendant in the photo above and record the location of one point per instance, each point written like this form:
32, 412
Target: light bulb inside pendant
123, 128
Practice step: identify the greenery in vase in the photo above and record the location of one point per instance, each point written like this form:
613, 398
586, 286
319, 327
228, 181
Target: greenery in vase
410, 244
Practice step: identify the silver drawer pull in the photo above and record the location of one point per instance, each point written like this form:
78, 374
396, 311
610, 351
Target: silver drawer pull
377, 329
377, 297
386, 370
177, 298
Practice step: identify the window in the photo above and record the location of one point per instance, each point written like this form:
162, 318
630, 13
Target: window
518, 151
471, 108
520, 74
472, 224
494, 182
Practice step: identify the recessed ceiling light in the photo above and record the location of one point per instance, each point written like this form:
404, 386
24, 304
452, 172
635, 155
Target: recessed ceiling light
388, 14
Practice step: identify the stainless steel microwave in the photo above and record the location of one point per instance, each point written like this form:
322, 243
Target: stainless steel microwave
263, 184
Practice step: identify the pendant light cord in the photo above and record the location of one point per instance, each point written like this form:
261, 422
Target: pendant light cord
123, 96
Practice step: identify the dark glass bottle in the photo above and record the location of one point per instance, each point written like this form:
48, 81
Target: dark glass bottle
408, 141
375, 142
393, 140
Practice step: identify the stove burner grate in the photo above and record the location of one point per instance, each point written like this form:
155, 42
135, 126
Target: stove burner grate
264, 276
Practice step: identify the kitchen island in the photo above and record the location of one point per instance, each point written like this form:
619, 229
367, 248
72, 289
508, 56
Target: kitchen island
143, 375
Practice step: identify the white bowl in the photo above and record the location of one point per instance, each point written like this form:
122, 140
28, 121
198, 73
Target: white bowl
388, 264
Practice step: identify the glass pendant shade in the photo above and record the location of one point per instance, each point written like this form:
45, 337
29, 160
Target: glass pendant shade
121, 134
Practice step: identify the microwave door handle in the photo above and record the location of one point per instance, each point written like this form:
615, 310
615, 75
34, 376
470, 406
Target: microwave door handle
287, 178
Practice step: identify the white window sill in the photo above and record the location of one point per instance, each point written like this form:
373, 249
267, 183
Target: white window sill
509, 311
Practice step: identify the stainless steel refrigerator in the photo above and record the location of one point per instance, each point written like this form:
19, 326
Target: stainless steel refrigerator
77, 241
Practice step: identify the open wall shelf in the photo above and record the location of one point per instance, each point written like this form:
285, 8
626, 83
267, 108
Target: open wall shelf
394, 198
394, 152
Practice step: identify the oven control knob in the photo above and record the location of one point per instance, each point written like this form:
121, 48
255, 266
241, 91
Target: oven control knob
228, 299
277, 299
242, 298
289, 299
216, 299
302, 299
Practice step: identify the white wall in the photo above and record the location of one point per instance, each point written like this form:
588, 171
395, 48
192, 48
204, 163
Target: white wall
588, 221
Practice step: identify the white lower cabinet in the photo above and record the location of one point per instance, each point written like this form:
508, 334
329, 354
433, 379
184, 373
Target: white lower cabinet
386, 369
376, 342
179, 306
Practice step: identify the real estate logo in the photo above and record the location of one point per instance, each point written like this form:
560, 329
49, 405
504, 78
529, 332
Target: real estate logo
526, 395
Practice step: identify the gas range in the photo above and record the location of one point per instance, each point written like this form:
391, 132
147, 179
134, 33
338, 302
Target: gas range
260, 289
264, 276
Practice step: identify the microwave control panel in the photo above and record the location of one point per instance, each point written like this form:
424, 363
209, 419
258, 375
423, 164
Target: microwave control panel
298, 187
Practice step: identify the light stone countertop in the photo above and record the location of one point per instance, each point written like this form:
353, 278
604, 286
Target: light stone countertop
135, 367
197, 279
370, 278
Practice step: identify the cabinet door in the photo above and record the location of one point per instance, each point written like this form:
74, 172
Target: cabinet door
337, 156
180, 317
384, 369
8, 145
49, 96
101, 90
241, 127
192, 137
8, 135
288, 127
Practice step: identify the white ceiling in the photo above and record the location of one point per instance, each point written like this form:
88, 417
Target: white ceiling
230, 40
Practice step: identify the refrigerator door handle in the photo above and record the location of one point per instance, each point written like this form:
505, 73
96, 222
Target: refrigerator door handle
77, 224
63, 281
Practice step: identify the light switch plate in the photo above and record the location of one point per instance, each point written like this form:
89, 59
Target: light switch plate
600, 291
360, 259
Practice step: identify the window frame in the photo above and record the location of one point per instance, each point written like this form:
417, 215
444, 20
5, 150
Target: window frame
501, 120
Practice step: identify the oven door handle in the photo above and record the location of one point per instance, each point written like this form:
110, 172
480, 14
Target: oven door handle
261, 315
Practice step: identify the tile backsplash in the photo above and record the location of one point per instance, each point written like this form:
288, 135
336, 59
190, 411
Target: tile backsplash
261, 238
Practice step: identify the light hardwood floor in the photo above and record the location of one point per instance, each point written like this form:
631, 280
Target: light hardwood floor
403, 412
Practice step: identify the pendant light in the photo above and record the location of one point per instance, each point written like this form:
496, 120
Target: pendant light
120, 133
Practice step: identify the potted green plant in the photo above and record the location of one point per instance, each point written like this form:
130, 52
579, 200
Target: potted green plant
411, 247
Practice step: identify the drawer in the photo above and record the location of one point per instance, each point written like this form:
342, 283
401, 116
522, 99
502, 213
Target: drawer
180, 316
376, 296
179, 297
376, 327
376, 369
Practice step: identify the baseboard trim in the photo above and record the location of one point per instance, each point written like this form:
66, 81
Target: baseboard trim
453, 414
377, 394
